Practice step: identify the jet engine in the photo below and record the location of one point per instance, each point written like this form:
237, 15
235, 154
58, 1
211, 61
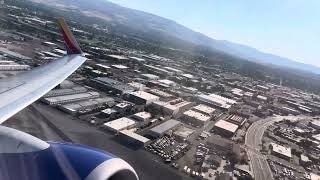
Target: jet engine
23, 156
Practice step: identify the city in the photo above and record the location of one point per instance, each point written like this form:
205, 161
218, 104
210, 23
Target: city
174, 117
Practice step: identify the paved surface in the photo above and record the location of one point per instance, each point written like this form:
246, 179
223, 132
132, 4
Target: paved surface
253, 140
48, 124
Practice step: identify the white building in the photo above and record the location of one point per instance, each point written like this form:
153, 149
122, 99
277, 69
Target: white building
315, 124
150, 76
161, 129
209, 111
142, 116
117, 66
133, 138
225, 128
119, 124
173, 107
281, 151
141, 97
70, 98
196, 118
13, 67
160, 93
176, 71
217, 101
167, 82
138, 86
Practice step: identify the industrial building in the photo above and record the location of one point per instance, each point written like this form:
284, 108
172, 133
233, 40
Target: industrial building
12, 66
167, 82
88, 105
287, 111
160, 93
70, 98
173, 70
123, 106
217, 101
103, 67
189, 89
281, 151
263, 88
49, 44
138, 86
133, 139
50, 54
142, 98
117, 66
136, 59
316, 137
6, 62
315, 124
182, 133
61, 92
314, 176
209, 111
236, 119
16, 67
174, 107
13, 55
237, 92
150, 76
157, 70
163, 128
142, 116
188, 76
195, 118
108, 113
115, 87
59, 52
119, 124
117, 58
225, 128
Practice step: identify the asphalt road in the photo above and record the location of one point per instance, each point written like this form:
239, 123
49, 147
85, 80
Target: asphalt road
48, 123
253, 140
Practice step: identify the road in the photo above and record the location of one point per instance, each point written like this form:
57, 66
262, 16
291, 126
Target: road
48, 123
253, 140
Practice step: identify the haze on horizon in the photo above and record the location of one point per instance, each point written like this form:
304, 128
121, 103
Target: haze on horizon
286, 28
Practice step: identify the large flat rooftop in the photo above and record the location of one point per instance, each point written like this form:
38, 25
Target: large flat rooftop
227, 126
162, 128
120, 124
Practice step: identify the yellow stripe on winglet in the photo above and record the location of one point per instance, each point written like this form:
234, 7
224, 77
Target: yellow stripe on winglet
65, 28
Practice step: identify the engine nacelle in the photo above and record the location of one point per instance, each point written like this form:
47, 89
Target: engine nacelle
23, 156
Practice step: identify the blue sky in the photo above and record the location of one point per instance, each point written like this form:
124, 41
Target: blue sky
289, 28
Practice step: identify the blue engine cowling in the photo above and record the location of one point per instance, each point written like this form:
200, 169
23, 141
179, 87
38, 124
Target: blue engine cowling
23, 156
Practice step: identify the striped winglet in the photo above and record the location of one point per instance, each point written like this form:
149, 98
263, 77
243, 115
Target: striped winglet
69, 40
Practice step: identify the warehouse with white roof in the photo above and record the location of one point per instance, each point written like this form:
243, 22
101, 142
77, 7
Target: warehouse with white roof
209, 111
133, 139
161, 129
119, 124
70, 98
281, 151
216, 101
195, 118
225, 128
141, 97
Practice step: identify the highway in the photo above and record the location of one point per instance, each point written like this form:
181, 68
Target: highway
253, 140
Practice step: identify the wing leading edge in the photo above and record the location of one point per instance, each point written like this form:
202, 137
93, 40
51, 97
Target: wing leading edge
19, 91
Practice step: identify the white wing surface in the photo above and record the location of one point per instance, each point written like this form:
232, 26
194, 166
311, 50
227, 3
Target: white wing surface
17, 92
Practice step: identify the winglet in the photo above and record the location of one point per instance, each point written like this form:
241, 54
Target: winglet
69, 40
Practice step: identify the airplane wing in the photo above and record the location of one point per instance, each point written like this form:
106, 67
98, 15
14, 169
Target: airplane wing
17, 92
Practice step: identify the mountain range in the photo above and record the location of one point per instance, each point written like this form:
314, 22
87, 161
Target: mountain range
162, 30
